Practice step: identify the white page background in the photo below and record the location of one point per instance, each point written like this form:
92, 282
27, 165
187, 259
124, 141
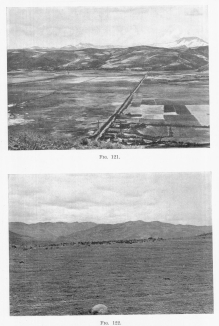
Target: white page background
148, 160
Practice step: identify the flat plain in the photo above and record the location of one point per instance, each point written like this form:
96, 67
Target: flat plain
74, 105
71, 104
173, 276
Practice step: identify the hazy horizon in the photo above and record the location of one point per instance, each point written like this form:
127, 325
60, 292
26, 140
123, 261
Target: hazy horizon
176, 198
109, 223
116, 26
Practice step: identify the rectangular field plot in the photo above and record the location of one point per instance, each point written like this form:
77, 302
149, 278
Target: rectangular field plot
152, 109
149, 101
170, 113
187, 120
131, 110
169, 108
201, 112
181, 109
145, 110
195, 135
153, 117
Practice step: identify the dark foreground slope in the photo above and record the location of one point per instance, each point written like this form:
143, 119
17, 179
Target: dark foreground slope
161, 277
138, 57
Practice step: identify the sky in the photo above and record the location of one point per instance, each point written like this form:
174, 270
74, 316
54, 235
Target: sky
124, 26
178, 198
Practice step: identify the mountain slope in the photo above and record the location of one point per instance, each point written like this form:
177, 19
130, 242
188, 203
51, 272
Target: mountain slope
48, 231
15, 238
136, 230
138, 57
88, 231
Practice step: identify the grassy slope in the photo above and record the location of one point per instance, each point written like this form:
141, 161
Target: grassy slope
48, 231
136, 230
15, 238
172, 276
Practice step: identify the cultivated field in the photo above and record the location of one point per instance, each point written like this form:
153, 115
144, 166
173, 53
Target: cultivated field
156, 277
168, 109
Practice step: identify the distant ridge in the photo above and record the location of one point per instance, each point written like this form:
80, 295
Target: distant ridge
189, 42
48, 231
81, 46
136, 230
18, 239
88, 231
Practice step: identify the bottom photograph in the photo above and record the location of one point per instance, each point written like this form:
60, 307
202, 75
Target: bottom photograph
110, 244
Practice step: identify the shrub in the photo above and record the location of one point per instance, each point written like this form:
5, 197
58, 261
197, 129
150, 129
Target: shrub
31, 140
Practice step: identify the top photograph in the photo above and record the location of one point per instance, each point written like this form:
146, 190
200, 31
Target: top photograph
108, 77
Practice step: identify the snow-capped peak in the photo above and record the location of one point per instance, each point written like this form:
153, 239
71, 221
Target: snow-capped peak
189, 42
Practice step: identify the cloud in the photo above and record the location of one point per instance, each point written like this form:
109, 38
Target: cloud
59, 26
111, 198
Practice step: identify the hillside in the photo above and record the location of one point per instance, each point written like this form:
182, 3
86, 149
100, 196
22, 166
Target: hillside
15, 238
136, 230
88, 231
48, 231
134, 58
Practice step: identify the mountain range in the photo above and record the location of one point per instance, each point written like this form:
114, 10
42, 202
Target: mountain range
189, 42
81, 46
186, 42
179, 55
88, 231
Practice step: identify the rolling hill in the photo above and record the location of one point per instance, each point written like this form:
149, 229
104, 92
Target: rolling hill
15, 238
136, 230
131, 58
48, 231
87, 231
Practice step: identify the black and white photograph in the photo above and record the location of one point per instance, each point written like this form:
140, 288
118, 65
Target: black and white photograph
109, 175
110, 244
111, 77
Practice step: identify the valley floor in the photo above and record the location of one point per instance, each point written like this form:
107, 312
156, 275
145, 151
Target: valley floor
61, 110
172, 276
